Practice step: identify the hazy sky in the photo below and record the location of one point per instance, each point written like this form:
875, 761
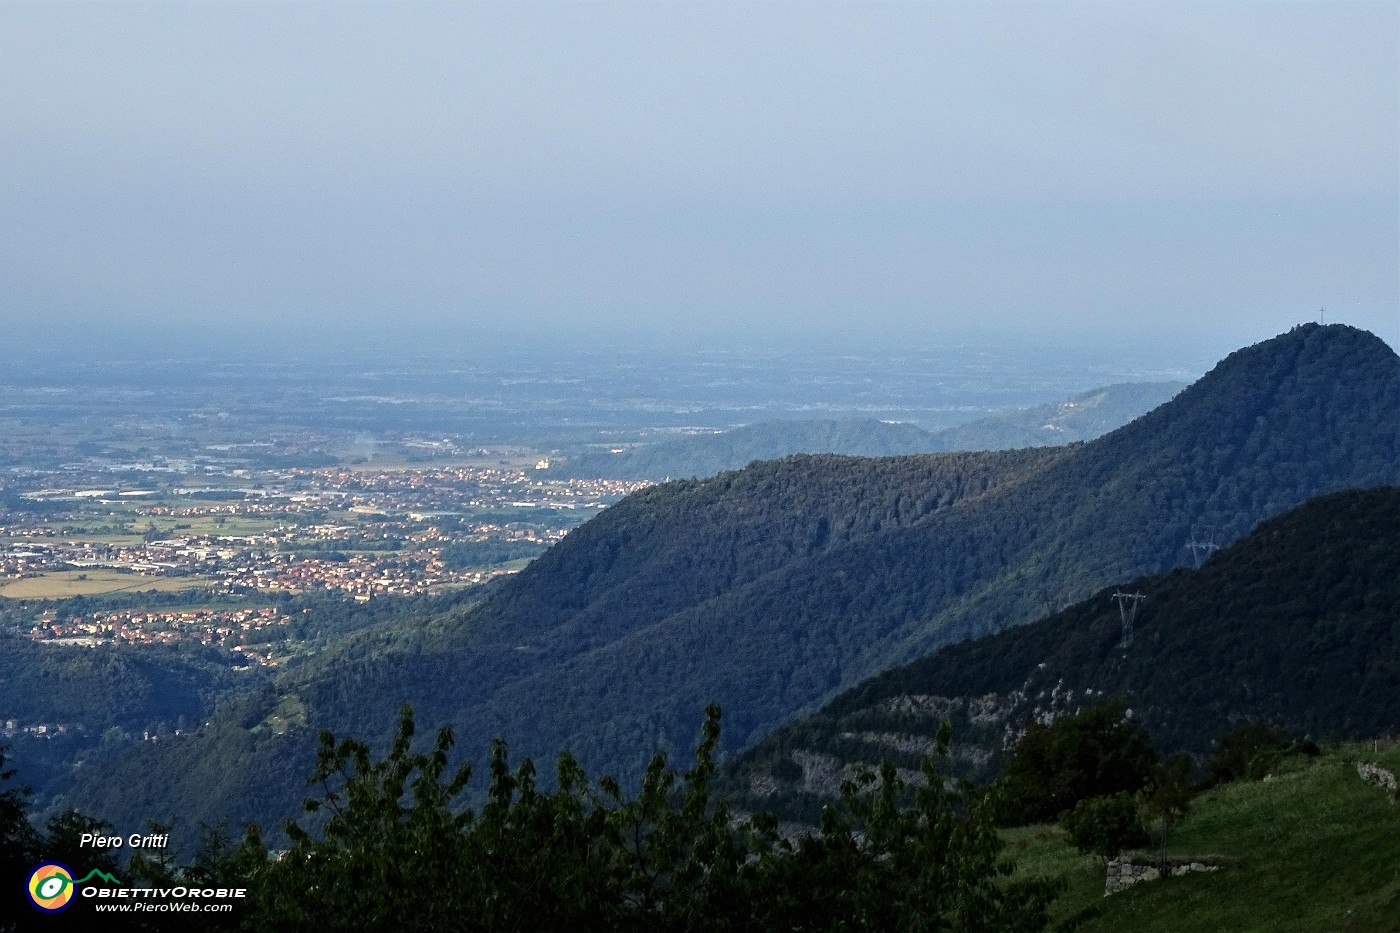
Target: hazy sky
689, 170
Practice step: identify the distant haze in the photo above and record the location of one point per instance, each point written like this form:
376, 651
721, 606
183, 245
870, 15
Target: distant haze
396, 174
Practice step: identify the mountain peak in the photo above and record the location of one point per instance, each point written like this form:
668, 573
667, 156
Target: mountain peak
1306, 387
1316, 340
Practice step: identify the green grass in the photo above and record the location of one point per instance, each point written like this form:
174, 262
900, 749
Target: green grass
167, 526
1317, 848
113, 540
205, 525
290, 712
64, 583
517, 565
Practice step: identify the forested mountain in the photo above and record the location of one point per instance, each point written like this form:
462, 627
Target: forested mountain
1079, 418
1297, 624
127, 688
685, 542
708, 454
770, 590
65, 702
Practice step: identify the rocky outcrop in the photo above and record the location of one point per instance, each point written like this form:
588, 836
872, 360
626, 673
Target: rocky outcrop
1126, 871
1377, 776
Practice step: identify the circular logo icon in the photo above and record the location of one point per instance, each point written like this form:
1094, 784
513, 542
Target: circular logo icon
51, 887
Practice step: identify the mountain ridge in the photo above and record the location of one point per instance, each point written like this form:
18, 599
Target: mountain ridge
1082, 416
1292, 624
772, 589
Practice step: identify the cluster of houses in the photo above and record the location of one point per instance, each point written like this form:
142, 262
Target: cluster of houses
360, 577
458, 488
232, 628
370, 534
41, 730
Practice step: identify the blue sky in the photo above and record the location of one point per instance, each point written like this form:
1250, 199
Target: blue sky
688, 172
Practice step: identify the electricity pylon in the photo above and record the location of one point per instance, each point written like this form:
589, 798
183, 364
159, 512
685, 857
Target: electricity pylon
1127, 611
1202, 547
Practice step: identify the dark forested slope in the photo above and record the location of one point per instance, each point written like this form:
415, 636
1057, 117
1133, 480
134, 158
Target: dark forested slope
638, 569
1297, 624
66, 702
129, 688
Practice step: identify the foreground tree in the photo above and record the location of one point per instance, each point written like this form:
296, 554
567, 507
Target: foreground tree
877, 864
397, 852
22, 846
1105, 826
19, 843
1166, 799
1098, 752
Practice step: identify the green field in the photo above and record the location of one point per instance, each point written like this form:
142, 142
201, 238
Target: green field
103, 528
1318, 849
291, 712
205, 525
64, 583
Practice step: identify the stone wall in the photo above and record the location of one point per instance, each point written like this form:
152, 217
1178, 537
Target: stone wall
1128, 870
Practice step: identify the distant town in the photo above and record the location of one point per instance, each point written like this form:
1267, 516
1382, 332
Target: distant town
361, 534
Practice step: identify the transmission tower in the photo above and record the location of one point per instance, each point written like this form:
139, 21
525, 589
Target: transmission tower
1199, 548
1127, 611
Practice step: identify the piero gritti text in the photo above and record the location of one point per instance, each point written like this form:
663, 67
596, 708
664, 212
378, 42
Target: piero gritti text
134, 841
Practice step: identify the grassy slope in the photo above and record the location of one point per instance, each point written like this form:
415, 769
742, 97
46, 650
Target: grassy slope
1318, 849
